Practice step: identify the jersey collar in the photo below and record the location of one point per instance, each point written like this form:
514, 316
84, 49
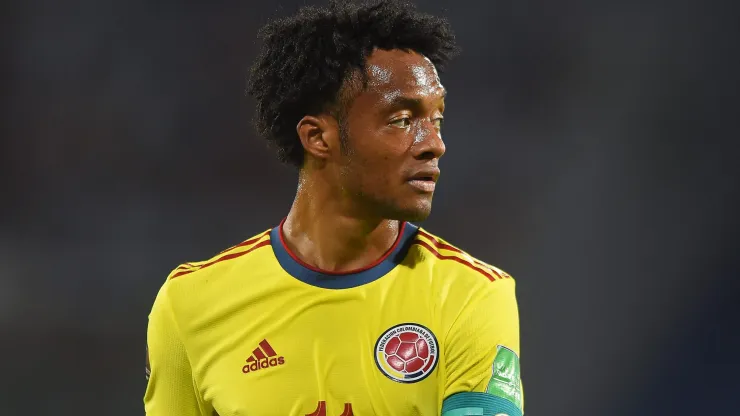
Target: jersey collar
332, 280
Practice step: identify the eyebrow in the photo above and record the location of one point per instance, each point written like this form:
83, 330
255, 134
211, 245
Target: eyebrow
412, 102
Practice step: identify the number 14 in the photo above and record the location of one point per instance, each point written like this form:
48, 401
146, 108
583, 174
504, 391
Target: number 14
321, 410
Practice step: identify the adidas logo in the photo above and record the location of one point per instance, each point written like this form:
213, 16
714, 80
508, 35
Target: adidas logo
263, 357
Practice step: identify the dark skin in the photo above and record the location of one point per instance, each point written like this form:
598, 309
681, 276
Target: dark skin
351, 198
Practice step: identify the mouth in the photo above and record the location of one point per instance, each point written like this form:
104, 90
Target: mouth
425, 181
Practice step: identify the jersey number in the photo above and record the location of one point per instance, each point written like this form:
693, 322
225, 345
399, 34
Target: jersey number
321, 410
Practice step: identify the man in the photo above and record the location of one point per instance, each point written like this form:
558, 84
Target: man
345, 308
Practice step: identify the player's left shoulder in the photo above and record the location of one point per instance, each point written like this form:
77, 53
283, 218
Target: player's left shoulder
469, 268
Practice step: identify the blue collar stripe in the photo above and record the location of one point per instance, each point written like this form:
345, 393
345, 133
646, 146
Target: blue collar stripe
343, 281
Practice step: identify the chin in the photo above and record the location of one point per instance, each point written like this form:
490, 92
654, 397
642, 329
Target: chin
418, 216
413, 213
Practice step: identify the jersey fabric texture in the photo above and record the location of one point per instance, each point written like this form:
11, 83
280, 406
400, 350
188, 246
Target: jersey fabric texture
255, 331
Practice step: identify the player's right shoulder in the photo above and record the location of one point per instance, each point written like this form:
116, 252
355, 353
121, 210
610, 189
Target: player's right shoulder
191, 270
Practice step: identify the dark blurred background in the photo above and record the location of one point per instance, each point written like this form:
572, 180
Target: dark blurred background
592, 153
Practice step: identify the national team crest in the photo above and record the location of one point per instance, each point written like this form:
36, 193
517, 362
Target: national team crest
407, 353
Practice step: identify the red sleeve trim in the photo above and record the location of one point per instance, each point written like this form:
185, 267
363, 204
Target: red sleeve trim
246, 243
192, 266
220, 259
442, 246
441, 256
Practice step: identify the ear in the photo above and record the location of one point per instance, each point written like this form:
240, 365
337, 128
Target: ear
319, 135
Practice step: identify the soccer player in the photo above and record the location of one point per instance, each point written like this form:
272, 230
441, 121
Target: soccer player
345, 307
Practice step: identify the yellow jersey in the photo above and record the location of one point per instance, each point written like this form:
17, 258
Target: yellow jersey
426, 330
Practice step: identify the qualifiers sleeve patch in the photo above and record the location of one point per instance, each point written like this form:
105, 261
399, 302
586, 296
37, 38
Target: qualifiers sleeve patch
506, 380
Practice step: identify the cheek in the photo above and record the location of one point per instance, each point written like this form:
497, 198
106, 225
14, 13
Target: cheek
376, 158
372, 175
382, 151
377, 172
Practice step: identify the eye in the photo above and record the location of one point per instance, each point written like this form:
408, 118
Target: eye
401, 122
438, 122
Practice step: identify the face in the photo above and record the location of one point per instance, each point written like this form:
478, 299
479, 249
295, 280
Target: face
392, 136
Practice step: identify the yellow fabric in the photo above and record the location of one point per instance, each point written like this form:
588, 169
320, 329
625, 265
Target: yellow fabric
211, 318
171, 389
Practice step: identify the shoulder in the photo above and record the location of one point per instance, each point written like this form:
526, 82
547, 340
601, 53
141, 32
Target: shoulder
242, 250
465, 286
193, 286
452, 257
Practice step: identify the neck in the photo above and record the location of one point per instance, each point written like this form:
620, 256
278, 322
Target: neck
325, 232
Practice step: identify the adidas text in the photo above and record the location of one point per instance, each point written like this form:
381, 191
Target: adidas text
264, 363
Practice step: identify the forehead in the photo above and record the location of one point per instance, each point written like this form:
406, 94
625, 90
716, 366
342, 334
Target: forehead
401, 73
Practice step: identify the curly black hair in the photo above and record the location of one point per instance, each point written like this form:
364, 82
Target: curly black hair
307, 58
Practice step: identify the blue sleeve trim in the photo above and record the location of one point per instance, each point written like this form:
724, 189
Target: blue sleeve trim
478, 404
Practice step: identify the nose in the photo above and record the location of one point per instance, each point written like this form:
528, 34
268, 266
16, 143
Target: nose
428, 143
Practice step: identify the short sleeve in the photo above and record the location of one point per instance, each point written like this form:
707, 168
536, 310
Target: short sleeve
482, 355
170, 389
